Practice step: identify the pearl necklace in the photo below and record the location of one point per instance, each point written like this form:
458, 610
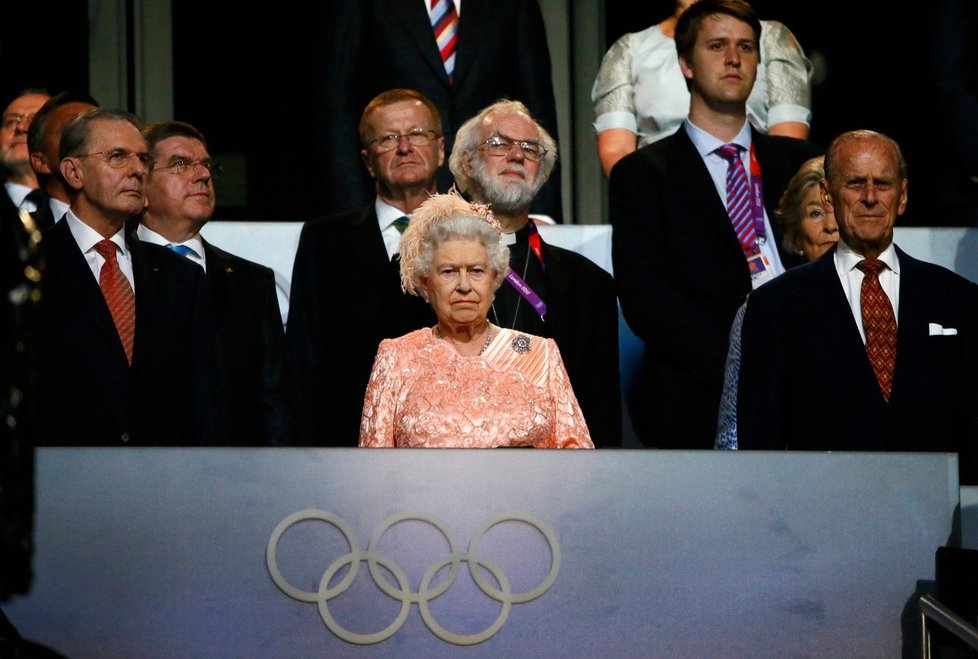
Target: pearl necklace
484, 345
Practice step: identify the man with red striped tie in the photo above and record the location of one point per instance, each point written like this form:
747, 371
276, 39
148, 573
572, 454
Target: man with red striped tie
127, 358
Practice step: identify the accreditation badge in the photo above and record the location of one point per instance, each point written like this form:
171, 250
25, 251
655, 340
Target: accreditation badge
760, 269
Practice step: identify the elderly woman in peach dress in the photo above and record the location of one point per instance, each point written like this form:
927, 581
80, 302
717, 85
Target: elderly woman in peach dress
465, 382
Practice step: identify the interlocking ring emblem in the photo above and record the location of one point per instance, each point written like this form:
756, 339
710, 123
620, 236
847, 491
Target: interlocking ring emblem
402, 591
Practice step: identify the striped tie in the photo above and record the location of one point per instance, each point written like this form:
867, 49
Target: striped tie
118, 295
738, 197
444, 20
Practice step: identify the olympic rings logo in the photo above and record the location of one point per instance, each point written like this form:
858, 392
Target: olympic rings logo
402, 591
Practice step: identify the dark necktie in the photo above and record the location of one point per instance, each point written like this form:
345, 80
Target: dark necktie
738, 196
444, 21
400, 223
879, 324
118, 295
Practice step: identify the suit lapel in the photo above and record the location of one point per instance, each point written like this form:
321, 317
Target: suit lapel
417, 25
911, 318
148, 274
82, 298
829, 303
704, 203
475, 18
219, 277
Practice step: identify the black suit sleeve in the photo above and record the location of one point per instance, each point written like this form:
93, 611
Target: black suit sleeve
276, 395
307, 337
600, 398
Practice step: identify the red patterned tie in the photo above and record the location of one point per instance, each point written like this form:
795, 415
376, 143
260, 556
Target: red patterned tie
738, 196
879, 324
118, 295
444, 20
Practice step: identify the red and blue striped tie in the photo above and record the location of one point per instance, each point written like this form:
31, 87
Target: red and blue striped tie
444, 20
738, 197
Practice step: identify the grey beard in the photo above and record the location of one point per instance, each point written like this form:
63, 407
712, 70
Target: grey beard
507, 196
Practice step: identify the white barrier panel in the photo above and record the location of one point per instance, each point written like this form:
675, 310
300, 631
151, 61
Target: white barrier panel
166, 552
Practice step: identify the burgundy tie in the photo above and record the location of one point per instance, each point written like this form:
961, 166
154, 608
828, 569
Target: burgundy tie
879, 324
444, 21
738, 197
118, 295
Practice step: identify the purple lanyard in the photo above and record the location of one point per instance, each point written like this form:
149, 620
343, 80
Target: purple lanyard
757, 200
533, 244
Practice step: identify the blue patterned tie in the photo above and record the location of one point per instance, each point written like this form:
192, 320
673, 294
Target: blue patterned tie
183, 250
738, 196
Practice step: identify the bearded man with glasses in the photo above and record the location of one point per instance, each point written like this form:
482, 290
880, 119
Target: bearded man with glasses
502, 158
346, 293
127, 359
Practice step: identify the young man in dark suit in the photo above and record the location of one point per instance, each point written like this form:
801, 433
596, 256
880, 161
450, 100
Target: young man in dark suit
255, 381
124, 326
502, 157
866, 349
683, 262
346, 290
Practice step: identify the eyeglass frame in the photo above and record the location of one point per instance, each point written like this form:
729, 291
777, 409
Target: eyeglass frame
145, 159
213, 167
509, 143
430, 134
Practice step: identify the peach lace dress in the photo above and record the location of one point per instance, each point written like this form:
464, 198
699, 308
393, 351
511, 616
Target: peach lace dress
422, 393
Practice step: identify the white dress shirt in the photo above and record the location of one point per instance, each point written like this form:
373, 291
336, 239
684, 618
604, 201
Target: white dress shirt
195, 243
386, 215
86, 237
58, 208
852, 280
18, 194
706, 145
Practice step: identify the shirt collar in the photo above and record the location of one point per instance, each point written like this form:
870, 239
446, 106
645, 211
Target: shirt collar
17, 192
195, 242
386, 214
86, 237
706, 143
846, 258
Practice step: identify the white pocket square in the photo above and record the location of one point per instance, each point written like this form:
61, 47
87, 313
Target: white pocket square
936, 330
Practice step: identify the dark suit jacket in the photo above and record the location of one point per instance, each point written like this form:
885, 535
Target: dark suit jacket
375, 45
254, 375
346, 298
799, 329
681, 275
582, 317
89, 394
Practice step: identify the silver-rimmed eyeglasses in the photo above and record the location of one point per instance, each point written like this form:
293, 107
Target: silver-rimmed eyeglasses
119, 158
501, 146
182, 166
416, 137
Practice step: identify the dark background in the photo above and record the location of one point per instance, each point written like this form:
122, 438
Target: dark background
244, 81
